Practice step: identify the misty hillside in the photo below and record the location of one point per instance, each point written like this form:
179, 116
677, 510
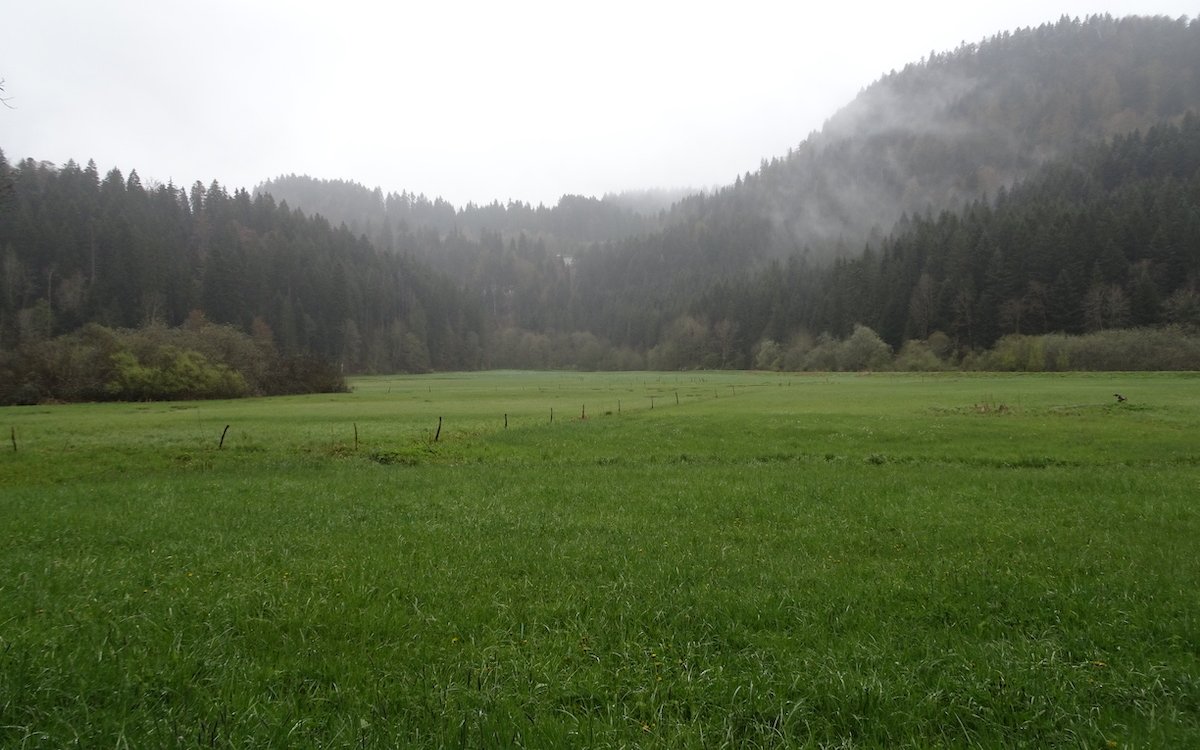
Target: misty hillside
392, 220
960, 125
1107, 240
78, 248
942, 132
1042, 181
939, 133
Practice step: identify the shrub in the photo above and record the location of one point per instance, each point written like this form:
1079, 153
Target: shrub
769, 355
917, 356
863, 350
295, 375
1129, 349
823, 356
174, 374
199, 360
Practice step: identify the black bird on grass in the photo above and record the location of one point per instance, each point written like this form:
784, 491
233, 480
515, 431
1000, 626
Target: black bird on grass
1119, 397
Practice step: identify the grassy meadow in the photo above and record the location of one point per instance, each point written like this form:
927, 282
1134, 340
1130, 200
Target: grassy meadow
706, 560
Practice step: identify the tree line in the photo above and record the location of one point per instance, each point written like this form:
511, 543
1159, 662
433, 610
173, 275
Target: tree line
1107, 241
77, 248
815, 242
926, 226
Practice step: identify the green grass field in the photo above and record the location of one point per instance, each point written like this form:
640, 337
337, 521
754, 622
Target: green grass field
759, 560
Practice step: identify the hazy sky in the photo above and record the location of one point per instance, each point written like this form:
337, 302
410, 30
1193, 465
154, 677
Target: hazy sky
472, 101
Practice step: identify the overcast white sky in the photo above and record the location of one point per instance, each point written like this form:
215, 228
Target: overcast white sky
472, 101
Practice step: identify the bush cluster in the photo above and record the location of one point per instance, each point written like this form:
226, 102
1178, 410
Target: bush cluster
863, 349
1170, 348
198, 360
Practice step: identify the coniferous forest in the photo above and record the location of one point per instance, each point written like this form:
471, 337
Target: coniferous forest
1020, 203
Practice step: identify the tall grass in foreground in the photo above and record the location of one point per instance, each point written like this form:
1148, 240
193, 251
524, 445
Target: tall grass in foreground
774, 561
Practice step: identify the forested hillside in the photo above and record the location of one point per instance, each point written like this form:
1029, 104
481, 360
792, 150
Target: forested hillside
1109, 240
942, 133
390, 220
954, 130
514, 257
78, 248
958, 126
1042, 181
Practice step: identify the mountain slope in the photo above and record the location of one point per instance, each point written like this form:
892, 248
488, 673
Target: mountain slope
1108, 240
76, 248
572, 222
932, 137
961, 125
409, 283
